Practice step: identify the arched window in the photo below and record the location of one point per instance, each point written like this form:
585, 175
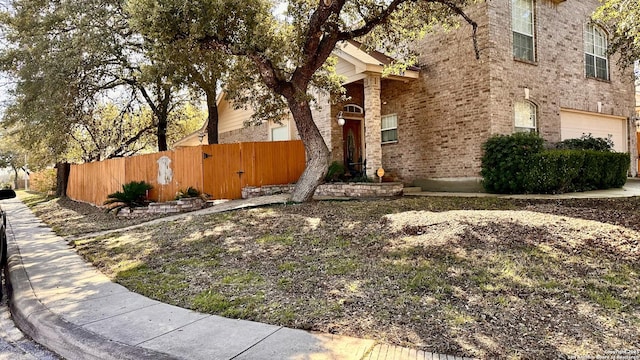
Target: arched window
595, 53
353, 108
525, 117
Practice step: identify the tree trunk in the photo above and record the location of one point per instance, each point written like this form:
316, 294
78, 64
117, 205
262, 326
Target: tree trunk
62, 178
162, 133
315, 148
212, 119
15, 179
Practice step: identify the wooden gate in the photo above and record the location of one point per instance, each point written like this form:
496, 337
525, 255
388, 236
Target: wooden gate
222, 166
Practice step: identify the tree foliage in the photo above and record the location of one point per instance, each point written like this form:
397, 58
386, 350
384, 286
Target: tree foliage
622, 18
69, 59
11, 156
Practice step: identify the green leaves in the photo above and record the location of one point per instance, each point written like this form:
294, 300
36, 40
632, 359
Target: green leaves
518, 164
622, 19
133, 194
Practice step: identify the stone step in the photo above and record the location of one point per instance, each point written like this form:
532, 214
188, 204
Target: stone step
411, 189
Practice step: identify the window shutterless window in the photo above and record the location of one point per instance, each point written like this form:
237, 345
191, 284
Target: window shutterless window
389, 128
525, 117
523, 27
595, 53
280, 133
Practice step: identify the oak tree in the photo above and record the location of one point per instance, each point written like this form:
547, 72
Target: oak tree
289, 42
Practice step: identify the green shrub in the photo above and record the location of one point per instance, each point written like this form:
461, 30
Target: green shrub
133, 194
190, 192
559, 171
517, 164
506, 161
336, 172
587, 142
554, 171
43, 181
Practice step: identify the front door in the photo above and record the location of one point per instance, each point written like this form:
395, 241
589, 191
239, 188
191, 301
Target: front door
352, 137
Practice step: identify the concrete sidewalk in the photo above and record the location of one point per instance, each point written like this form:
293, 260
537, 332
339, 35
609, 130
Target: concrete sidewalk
630, 189
70, 307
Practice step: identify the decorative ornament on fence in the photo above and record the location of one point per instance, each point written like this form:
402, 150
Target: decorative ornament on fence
165, 174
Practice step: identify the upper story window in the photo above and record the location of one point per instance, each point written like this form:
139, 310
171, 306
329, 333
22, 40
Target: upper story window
523, 26
595, 53
280, 132
525, 117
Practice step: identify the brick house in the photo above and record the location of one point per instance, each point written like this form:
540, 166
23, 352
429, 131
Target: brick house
542, 67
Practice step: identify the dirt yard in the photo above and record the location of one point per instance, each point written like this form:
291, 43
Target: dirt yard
488, 278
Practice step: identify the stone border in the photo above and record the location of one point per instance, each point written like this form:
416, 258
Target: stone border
357, 190
169, 207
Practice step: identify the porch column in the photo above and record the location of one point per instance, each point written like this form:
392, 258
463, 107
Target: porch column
372, 124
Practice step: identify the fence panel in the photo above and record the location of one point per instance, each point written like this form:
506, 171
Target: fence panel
145, 168
218, 170
92, 182
272, 163
188, 170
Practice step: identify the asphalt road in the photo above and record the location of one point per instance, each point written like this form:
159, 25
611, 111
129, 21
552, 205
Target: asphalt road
14, 345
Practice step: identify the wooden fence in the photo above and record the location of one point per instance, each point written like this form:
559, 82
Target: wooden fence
220, 171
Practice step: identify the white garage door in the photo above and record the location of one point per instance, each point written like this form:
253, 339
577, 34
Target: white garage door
574, 124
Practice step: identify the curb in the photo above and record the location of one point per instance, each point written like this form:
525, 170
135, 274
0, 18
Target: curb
53, 332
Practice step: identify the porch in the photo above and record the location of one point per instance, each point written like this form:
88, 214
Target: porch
356, 129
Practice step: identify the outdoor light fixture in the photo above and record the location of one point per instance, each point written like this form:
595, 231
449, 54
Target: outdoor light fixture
201, 136
340, 119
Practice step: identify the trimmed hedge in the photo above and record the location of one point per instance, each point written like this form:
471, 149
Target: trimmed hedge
506, 161
530, 169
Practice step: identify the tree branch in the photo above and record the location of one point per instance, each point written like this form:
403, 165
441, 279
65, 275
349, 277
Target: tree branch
470, 21
371, 23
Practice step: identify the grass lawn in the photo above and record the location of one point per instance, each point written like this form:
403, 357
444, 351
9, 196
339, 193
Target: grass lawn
488, 278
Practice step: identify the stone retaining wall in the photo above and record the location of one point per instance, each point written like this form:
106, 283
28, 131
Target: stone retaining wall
331, 189
176, 206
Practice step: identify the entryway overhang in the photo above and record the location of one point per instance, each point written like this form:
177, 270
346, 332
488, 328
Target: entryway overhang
366, 69
355, 64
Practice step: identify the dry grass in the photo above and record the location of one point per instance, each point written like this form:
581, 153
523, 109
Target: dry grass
487, 278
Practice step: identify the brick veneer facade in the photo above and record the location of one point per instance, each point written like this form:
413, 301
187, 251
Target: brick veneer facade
247, 134
458, 102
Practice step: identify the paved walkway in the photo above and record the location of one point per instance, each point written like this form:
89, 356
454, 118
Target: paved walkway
631, 188
70, 307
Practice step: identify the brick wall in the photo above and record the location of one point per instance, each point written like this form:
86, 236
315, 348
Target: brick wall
458, 102
442, 116
248, 134
557, 78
